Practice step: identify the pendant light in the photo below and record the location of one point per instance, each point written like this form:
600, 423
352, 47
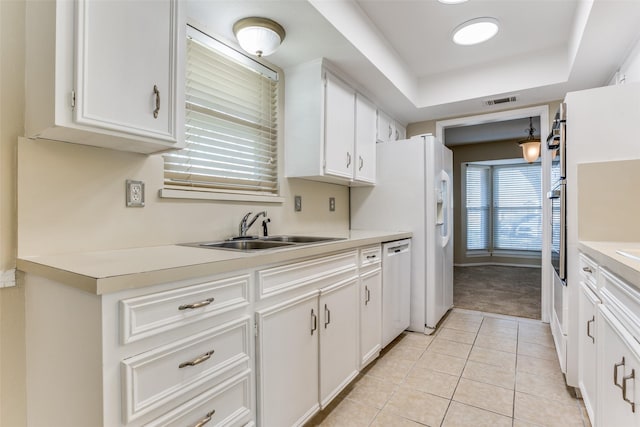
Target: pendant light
258, 36
531, 145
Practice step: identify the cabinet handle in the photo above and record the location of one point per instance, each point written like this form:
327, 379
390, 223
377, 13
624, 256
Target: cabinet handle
624, 389
587, 270
156, 92
198, 360
367, 295
390, 132
196, 304
397, 135
361, 163
327, 316
615, 372
314, 321
589, 322
348, 159
206, 419
371, 256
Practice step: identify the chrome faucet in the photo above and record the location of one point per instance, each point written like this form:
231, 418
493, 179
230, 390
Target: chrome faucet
244, 226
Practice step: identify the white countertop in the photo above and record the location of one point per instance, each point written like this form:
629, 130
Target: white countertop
103, 272
604, 253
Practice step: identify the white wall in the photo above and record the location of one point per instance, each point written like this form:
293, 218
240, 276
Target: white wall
630, 68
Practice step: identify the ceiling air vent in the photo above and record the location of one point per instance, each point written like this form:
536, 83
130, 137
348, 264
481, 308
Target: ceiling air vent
500, 100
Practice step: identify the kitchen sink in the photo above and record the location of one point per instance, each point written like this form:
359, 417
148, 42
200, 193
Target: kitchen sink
300, 239
250, 244
245, 245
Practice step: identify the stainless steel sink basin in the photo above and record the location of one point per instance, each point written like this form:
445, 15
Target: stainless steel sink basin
245, 245
300, 239
248, 244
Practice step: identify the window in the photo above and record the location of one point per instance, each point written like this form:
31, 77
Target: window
503, 207
231, 123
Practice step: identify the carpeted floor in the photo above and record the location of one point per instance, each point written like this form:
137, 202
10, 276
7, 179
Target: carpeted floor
514, 291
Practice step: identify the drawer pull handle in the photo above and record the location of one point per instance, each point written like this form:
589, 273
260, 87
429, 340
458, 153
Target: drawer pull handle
205, 420
624, 389
615, 372
371, 256
587, 270
196, 304
156, 92
589, 322
327, 316
198, 360
314, 321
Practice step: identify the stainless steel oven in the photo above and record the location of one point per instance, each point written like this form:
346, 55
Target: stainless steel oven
556, 142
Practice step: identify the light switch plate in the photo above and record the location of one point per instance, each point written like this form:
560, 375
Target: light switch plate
297, 203
332, 204
135, 193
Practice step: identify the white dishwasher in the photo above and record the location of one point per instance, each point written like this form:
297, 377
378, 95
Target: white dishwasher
396, 288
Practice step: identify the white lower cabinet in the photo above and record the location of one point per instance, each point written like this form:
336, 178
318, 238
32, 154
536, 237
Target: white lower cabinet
618, 371
338, 338
370, 316
287, 351
587, 348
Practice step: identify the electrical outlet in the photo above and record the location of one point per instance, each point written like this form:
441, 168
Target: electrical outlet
332, 204
297, 203
135, 193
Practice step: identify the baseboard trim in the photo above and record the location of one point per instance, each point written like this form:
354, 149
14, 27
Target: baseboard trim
501, 264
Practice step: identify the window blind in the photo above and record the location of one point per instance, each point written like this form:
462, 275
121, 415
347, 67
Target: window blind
231, 123
517, 207
503, 207
478, 199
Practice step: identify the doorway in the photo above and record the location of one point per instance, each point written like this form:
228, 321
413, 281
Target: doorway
499, 275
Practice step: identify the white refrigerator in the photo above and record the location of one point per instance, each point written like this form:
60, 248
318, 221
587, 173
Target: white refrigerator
413, 192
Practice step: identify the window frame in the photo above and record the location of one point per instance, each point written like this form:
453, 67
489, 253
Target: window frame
491, 250
204, 193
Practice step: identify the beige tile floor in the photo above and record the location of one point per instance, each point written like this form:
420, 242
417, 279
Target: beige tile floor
478, 369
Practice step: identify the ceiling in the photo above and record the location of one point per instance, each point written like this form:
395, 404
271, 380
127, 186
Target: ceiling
401, 56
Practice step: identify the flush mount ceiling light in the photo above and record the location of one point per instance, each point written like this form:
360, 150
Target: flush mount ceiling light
475, 31
258, 36
452, 1
531, 145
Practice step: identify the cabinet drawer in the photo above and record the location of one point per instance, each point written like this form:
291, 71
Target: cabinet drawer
148, 315
622, 299
159, 376
588, 271
370, 256
274, 281
230, 403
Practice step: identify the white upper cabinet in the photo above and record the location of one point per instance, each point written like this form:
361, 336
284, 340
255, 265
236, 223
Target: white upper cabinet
108, 74
328, 126
388, 129
339, 128
365, 152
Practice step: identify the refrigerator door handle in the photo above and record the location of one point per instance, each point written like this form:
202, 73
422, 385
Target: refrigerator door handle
446, 202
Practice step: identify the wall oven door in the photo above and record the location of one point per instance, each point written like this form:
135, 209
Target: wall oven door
559, 231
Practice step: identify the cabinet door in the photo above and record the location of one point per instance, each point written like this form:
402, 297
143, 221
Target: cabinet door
288, 361
370, 316
127, 67
338, 338
587, 348
339, 128
365, 167
618, 371
385, 127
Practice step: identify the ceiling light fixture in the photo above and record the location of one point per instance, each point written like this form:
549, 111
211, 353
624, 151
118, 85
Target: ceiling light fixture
475, 31
452, 1
258, 36
531, 145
